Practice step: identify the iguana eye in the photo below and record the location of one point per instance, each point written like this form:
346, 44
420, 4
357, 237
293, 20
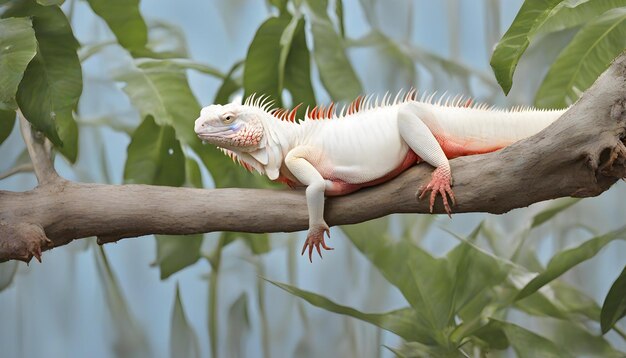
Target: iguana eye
228, 118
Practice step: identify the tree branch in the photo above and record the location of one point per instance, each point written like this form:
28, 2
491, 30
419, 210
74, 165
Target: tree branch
582, 154
39, 150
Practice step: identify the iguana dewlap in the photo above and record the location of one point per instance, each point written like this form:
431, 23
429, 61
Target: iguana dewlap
366, 143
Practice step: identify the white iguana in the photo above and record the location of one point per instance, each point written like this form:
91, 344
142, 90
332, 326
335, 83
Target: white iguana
366, 143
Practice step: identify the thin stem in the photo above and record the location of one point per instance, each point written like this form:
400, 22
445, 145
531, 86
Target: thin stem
24, 168
619, 331
39, 150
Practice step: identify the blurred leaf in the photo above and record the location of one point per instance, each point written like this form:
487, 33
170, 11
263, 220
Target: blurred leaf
165, 37
398, 63
588, 54
339, 14
17, 47
193, 174
261, 73
183, 339
579, 341
281, 5
230, 85
614, 306
553, 210
50, 2
154, 156
574, 301
401, 322
7, 122
123, 18
175, 252
493, 334
258, 243
52, 82
130, 339
297, 71
572, 13
508, 51
238, 326
193, 65
424, 281
530, 345
7, 272
418, 350
336, 72
565, 260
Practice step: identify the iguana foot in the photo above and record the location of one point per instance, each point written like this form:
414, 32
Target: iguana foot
315, 238
440, 183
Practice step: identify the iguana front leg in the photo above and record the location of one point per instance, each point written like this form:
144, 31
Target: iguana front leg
422, 141
298, 161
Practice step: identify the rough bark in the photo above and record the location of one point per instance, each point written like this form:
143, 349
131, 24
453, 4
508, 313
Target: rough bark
582, 154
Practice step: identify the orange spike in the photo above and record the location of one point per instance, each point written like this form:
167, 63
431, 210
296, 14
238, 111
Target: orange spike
313, 114
320, 112
330, 111
469, 102
294, 111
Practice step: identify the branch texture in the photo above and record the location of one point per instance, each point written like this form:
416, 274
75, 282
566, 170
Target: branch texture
582, 154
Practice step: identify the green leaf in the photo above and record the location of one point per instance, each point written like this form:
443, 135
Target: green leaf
231, 84
424, 281
7, 273
572, 13
552, 211
297, 71
262, 72
175, 252
336, 72
193, 173
154, 156
528, 344
578, 340
565, 260
339, 14
52, 82
183, 339
238, 325
402, 322
588, 54
7, 122
258, 243
530, 17
124, 19
17, 47
614, 306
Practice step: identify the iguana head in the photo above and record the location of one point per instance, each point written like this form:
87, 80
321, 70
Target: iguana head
231, 126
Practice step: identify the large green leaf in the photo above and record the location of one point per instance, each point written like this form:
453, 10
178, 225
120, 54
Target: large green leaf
424, 281
336, 72
297, 71
238, 325
261, 73
7, 122
17, 47
125, 20
402, 322
154, 156
52, 82
183, 339
175, 252
572, 13
530, 345
578, 340
565, 260
530, 17
614, 307
588, 54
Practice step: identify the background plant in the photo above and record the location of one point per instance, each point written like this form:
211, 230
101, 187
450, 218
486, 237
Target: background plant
477, 296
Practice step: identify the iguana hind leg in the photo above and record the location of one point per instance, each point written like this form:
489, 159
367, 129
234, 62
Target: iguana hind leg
422, 141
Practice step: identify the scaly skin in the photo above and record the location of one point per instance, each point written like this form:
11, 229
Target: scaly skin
366, 143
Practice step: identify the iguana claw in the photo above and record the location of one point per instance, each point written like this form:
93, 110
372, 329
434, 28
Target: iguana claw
315, 238
440, 183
